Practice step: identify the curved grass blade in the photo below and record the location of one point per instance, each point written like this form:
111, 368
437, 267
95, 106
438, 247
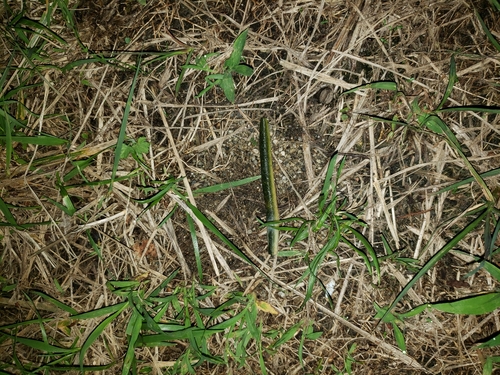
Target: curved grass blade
437, 125
313, 268
123, 127
212, 228
268, 186
4, 208
456, 185
452, 79
100, 312
488, 33
38, 140
98, 331
476, 305
55, 302
435, 258
492, 342
471, 108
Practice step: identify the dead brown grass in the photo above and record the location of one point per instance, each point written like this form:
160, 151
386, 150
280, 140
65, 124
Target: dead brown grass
297, 48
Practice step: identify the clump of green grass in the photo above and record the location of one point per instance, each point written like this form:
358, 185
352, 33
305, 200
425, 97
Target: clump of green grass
155, 319
222, 79
336, 224
485, 216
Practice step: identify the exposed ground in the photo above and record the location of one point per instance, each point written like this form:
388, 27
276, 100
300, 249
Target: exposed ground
304, 55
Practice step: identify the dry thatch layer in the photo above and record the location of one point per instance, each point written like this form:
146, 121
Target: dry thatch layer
304, 54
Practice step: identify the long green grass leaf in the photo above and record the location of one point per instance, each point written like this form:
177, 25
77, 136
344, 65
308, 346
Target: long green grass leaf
476, 305
369, 249
98, 331
492, 342
314, 266
470, 108
212, 228
7, 214
456, 185
327, 182
135, 324
42, 346
38, 140
436, 257
488, 33
452, 140
25, 323
55, 302
100, 312
123, 126
381, 85
452, 79
224, 186
287, 336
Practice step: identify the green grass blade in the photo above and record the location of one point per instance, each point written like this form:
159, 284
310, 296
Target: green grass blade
238, 46
227, 85
37, 25
100, 312
488, 33
212, 228
25, 323
123, 127
42, 346
400, 338
314, 266
8, 144
476, 305
496, 4
224, 186
369, 249
104, 182
268, 185
381, 85
134, 325
452, 79
98, 331
230, 322
38, 140
190, 332
287, 336
436, 257
244, 70
327, 182
7, 214
436, 124
156, 292
469, 108
79, 166
492, 342
456, 185
55, 302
